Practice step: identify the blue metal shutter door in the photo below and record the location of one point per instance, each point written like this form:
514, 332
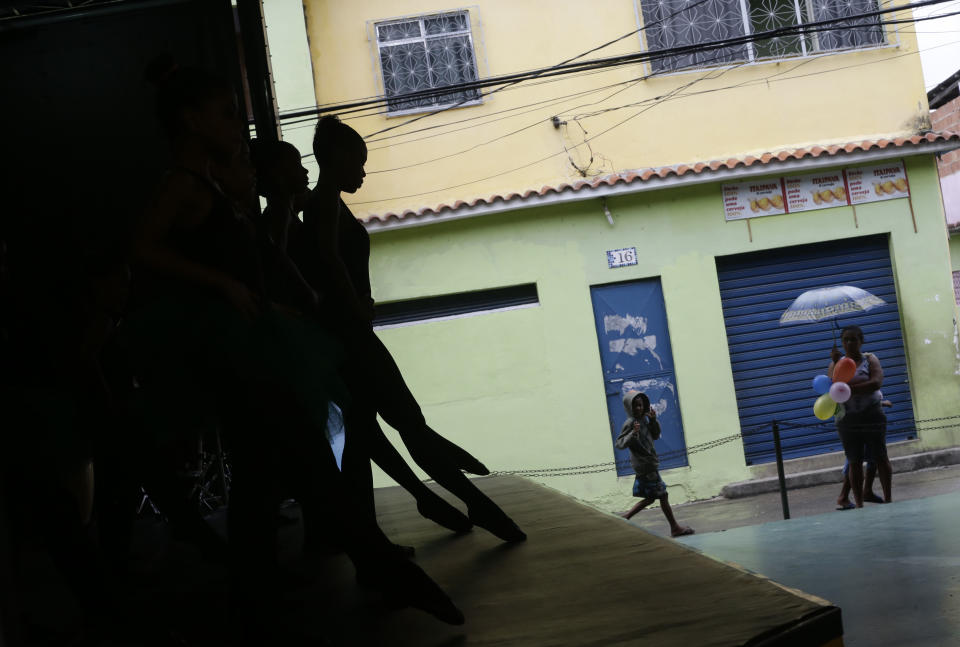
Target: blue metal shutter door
773, 365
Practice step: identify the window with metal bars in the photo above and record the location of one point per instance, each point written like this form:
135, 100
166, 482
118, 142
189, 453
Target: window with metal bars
677, 23
427, 53
454, 306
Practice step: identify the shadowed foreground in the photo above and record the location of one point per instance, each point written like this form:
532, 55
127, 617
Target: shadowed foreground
586, 578
583, 577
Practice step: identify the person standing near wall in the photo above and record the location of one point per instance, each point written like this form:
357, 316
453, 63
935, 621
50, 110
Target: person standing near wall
861, 422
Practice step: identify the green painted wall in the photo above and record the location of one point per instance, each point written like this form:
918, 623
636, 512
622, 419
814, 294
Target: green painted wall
523, 388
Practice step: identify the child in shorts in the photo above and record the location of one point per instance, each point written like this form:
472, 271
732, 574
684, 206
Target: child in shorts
638, 434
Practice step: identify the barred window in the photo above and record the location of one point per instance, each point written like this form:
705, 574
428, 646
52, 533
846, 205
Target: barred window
427, 53
677, 23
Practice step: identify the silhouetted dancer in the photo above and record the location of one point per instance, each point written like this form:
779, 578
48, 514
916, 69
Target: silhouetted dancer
282, 180
214, 344
332, 250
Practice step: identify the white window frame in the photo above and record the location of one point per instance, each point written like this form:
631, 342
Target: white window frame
891, 41
374, 37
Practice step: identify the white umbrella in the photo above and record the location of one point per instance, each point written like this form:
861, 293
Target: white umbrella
828, 303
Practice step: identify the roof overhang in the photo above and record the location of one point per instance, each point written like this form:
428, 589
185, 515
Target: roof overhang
626, 183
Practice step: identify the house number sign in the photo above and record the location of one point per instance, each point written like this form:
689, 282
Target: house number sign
621, 257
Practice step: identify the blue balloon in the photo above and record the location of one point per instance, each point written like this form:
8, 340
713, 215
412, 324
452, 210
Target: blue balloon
821, 384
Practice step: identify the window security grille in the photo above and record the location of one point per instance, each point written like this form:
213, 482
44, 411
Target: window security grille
671, 24
427, 53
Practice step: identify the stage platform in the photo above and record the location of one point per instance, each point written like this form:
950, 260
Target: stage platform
585, 577
894, 569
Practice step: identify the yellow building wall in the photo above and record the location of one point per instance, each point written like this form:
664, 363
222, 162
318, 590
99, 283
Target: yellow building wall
511, 144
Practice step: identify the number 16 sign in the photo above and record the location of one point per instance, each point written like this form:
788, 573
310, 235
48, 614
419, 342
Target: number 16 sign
621, 257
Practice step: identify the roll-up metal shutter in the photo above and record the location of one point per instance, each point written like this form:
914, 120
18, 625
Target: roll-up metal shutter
774, 365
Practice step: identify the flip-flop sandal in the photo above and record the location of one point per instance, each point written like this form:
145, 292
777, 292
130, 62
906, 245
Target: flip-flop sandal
683, 533
846, 506
872, 499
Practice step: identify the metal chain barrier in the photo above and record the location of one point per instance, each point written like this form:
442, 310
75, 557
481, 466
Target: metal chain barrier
595, 468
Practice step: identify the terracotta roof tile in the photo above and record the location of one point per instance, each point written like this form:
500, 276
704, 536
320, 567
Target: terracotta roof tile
679, 170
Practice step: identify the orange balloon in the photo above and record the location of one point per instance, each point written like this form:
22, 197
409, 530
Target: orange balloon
844, 371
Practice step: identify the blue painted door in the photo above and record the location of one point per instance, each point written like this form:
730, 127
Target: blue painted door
635, 353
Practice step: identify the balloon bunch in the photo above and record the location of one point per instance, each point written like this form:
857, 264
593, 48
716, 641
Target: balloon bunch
835, 393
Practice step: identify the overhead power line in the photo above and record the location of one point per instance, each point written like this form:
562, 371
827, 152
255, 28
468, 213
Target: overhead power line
558, 153
509, 79
538, 122
500, 115
626, 59
294, 115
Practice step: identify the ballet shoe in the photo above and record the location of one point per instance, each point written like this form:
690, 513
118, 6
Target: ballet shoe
442, 513
404, 584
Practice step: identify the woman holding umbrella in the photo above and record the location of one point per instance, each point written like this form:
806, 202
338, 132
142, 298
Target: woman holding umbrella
861, 422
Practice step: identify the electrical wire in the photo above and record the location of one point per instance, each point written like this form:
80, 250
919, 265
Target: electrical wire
567, 68
522, 129
575, 117
295, 112
555, 154
768, 78
534, 72
310, 122
631, 82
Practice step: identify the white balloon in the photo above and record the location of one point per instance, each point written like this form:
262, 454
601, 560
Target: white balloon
840, 392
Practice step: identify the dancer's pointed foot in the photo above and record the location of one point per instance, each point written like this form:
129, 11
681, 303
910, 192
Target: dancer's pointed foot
404, 584
440, 512
496, 521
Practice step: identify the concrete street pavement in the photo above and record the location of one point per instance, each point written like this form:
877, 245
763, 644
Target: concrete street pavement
719, 514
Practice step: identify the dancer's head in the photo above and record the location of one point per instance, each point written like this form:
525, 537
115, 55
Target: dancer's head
852, 339
193, 104
341, 153
280, 173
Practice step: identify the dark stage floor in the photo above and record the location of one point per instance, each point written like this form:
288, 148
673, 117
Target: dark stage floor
584, 577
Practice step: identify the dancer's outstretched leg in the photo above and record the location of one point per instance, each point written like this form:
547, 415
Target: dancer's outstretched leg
440, 458
429, 503
401, 411
481, 510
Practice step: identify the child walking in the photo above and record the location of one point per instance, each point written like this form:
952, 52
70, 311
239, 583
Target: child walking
637, 434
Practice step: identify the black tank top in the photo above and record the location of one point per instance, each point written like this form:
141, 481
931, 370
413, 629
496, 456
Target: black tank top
225, 240
353, 245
